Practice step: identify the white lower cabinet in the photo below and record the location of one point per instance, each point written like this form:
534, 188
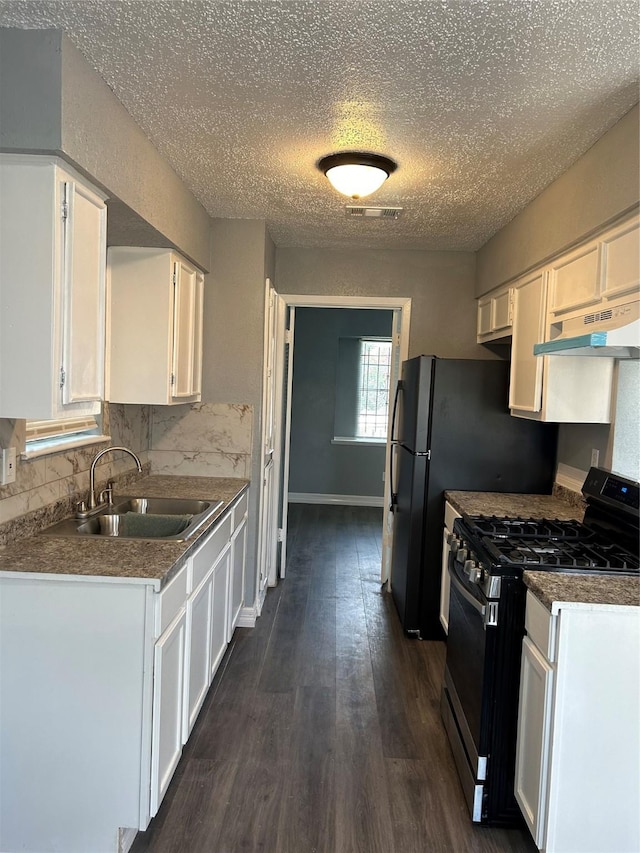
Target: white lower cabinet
199, 624
220, 609
168, 699
577, 775
238, 560
101, 684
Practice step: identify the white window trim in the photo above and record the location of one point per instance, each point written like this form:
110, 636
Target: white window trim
364, 339
44, 438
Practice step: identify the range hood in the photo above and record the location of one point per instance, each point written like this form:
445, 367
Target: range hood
610, 332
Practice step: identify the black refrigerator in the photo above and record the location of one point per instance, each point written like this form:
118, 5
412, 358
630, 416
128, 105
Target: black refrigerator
452, 431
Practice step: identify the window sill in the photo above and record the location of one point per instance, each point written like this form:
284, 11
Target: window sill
61, 445
362, 442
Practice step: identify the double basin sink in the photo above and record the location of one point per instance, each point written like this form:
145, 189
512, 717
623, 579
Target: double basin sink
174, 519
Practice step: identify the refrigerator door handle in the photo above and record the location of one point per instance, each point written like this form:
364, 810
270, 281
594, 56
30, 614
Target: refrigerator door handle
395, 412
394, 444
394, 495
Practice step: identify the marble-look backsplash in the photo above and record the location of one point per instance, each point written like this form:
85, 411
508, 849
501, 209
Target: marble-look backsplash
202, 440
64, 476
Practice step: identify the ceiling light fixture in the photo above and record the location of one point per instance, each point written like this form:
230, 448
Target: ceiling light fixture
356, 174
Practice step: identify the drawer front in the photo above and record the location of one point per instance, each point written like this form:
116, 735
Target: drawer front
240, 509
540, 626
170, 600
206, 556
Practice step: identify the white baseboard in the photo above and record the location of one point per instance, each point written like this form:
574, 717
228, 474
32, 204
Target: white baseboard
247, 617
126, 837
345, 500
570, 478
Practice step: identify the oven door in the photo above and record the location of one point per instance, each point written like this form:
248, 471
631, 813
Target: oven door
466, 701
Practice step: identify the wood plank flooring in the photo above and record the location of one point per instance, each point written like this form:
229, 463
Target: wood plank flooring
322, 730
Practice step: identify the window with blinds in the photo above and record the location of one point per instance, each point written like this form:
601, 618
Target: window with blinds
48, 436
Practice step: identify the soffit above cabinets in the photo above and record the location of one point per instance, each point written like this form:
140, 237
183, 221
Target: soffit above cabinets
482, 103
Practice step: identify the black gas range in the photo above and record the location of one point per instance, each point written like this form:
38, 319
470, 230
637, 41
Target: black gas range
486, 623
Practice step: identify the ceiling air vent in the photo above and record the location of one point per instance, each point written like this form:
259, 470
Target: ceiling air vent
354, 211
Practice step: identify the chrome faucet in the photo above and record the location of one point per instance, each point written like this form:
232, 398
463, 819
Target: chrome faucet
92, 471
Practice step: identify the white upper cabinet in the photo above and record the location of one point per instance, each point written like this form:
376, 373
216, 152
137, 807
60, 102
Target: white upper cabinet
574, 279
571, 389
495, 315
525, 386
621, 260
155, 327
52, 290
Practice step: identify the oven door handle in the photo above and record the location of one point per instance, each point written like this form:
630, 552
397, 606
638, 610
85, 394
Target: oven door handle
464, 592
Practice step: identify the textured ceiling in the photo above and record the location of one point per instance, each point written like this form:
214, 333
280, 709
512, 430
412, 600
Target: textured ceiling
481, 102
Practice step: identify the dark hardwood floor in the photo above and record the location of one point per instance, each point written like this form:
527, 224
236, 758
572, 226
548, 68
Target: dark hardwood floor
322, 730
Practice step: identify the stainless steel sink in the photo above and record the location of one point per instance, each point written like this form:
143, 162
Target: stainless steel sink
141, 517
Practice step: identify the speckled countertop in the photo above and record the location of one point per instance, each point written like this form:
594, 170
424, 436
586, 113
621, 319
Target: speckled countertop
142, 561
552, 587
500, 503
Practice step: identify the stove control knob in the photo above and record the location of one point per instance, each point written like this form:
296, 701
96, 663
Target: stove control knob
473, 571
453, 542
461, 555
475, 575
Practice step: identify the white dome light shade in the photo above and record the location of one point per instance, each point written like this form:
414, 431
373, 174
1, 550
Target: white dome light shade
355, 174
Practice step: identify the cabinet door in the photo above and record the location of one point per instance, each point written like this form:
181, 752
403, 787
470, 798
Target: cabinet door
220, 610
533, 742
199, 615
83, 298
187, 330
525, 386
574, 280
621, 260
168, 698
236, 581
484, 316
501, 311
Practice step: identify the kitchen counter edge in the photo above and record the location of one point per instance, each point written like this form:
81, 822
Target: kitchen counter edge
130, 560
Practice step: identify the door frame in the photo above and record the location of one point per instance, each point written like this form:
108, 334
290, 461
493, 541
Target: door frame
400, 306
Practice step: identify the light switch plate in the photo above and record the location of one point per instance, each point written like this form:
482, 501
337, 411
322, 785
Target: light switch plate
8, 470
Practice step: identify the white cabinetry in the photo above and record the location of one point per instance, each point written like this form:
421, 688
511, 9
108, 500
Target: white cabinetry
571, 389
578, 746
574, 279
495, 315
121, 671
621, 260
155, 327
238, 560
450, 515
218, 639
168, 695
52, 290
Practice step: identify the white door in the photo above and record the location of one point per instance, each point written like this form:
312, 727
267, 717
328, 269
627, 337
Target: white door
284, 335
399, 353
268, 533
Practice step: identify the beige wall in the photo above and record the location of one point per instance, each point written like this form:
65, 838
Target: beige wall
602, 185
440, 285
242, 257
52, 100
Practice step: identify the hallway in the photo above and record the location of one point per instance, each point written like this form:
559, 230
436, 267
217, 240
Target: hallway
322, 731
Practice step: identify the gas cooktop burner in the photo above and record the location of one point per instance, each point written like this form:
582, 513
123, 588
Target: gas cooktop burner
542, 554
496, 526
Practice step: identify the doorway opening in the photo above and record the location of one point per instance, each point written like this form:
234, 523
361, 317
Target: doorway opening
280, 339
